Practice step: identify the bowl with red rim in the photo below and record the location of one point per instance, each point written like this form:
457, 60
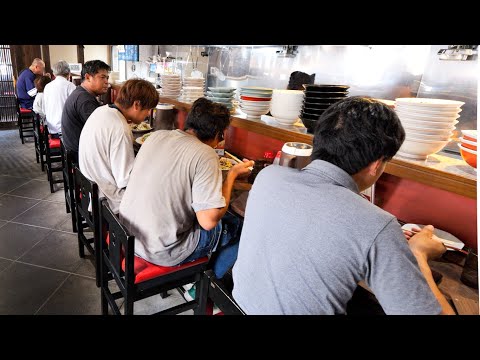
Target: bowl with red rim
470, 135
255, 98
468, 144
469, 155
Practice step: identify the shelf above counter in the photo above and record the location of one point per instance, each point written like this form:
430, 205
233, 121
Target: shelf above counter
441, 171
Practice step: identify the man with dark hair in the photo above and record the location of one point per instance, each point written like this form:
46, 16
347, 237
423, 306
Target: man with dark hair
106, 143
83, 101
309, 237
175, 203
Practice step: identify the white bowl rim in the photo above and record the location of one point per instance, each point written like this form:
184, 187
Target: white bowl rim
469, 142
467, 149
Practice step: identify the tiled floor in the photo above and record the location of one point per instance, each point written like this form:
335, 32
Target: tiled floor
40, 270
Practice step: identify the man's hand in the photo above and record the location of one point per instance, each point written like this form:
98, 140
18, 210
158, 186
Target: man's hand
242, 169
425, 244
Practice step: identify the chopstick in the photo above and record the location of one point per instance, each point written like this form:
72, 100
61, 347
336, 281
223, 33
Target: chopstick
237, 160
454, 248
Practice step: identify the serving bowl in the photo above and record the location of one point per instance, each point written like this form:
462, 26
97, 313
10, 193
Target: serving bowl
469, 155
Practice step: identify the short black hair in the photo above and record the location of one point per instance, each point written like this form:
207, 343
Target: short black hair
207, 119
93, 66
356, 131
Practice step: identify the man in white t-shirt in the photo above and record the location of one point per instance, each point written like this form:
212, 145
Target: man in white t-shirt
176, 203
106, 144
55, 94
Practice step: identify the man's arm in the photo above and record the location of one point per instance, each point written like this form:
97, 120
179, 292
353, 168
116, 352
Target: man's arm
209, 218
424, 247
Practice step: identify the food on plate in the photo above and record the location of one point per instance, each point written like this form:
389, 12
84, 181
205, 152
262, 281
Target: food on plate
226, 164
140, 127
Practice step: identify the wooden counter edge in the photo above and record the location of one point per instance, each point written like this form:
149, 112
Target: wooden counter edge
433, 177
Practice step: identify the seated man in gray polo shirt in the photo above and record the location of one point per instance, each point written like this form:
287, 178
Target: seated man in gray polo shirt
309, 237
175, 203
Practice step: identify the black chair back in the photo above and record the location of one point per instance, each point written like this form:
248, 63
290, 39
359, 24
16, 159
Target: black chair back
67, 166
86, 199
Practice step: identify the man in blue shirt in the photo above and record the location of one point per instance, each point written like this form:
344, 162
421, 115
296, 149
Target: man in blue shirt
26, 90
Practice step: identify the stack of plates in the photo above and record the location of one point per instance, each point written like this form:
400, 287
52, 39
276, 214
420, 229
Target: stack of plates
194, 81
222, 95
318, 98
255, 101
171, 85
192, 93
428, 125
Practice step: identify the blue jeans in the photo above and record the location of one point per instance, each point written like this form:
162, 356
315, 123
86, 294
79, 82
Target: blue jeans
222, 240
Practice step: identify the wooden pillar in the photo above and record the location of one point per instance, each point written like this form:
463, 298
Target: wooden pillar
80, 54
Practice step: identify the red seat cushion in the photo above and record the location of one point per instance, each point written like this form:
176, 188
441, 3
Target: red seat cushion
25, 111
145, 270
54, 143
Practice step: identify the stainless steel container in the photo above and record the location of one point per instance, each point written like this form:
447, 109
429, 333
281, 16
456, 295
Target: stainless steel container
164, 117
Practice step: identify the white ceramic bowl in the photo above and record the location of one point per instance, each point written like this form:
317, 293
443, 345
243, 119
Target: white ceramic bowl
412, 134
427, 130
420, 149
428, 102
429, 124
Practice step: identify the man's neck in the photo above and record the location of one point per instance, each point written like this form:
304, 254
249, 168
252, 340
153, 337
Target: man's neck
88, 90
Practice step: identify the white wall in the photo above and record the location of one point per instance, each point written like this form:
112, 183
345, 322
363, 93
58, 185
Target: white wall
96, 52
63, 52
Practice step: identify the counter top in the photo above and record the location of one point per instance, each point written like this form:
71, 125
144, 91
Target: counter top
447, 172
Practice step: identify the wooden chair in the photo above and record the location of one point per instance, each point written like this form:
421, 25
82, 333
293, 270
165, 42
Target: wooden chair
67, 166
219, 294
25, 121
39, 140
53, 157
137, 278
86, 197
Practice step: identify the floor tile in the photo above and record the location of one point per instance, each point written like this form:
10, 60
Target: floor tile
12, 206
87, 266
4, 263
155, 303
25, 288
46, 213
8, 183
35, 189
17, 239
66, 225
76, 296
59, 250
58, 195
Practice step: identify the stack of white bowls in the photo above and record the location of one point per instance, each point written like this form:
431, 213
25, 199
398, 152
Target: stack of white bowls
222, 95
286, 106
194, 81
428, 124
171, 85
255, 101
192, 93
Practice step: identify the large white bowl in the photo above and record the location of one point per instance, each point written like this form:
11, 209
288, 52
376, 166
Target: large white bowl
428, 102
420, 149
428, 123
427, 130
412, 134
420, 116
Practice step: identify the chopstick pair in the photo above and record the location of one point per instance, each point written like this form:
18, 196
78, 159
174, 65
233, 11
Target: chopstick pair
237, 160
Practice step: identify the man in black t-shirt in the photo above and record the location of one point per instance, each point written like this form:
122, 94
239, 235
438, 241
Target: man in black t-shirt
82, 102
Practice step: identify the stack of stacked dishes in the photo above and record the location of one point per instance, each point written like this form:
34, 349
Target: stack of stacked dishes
318, 98
171, 85
428, 124
192, 93
194, 81
468, 147
255, 101
222, 95
286, 105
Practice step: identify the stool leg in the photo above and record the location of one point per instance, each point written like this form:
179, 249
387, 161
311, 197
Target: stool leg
201, 295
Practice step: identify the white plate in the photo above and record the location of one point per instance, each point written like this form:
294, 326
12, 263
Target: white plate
446, 237
427, 102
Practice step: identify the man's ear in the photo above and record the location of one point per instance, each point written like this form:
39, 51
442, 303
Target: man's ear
374, 167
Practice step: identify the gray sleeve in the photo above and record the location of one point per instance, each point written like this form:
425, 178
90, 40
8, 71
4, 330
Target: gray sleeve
394, 276
207, 185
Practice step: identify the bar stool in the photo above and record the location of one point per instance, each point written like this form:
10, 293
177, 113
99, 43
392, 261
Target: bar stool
25, 121
68, 188
39, 140
87, 217
137, 278
221, 296
53, 157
